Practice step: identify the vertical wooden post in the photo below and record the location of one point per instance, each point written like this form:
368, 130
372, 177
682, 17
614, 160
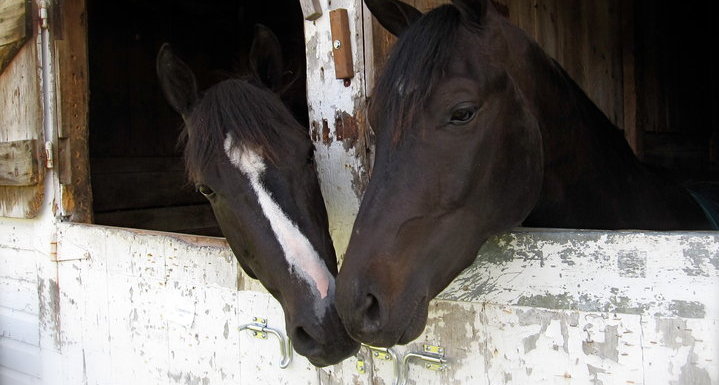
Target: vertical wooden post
70, 43
341, 44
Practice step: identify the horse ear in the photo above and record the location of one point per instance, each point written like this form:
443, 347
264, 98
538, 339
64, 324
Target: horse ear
176, 80
394, 15
472, 10
266, 57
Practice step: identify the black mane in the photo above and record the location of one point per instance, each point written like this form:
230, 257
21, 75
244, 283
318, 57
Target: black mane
239, 107
417, 62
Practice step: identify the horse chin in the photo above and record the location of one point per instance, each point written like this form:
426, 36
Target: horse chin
340, 350
416, 324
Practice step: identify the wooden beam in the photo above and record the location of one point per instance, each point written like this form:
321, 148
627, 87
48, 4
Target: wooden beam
13, 26
70, 34
341, 44
15, 29
18, 163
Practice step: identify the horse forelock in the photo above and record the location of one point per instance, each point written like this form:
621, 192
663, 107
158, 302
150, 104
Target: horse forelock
253, 115
417, 63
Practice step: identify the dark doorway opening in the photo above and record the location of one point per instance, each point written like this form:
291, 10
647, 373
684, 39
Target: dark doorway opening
137, 171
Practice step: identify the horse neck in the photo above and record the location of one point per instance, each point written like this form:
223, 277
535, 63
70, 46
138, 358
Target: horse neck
587, 162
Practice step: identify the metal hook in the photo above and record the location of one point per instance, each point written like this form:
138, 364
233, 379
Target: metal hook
386, 354
433, 356
260, 330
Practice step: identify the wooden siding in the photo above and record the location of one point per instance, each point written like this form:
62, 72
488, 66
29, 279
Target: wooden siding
536, 307
21, 119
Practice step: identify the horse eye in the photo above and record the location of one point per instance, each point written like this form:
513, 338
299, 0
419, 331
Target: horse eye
463, 114
204, 190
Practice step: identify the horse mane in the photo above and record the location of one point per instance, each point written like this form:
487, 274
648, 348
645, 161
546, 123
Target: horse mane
242, 107
417, 62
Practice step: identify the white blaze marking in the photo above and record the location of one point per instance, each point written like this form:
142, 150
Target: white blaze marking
298, 250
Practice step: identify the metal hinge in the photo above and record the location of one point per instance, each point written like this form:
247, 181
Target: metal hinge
43, 15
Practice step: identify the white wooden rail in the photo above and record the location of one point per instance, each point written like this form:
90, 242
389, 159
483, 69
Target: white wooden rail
536, 307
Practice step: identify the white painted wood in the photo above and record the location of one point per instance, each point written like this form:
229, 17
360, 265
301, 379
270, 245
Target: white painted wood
12, 377
19, 295
342, 168
165, 308
20, 357
311, 9
19, 326
668, 274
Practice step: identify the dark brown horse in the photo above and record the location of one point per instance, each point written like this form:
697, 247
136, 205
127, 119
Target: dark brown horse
478, 131
255, 164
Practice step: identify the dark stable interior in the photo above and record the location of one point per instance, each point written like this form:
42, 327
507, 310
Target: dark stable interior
137, 171
138, 176
676, 85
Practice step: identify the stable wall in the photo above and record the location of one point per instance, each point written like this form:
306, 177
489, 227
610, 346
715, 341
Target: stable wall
538, 307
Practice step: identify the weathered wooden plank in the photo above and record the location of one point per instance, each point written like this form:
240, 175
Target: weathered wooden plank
15, 29
341, 44
652, 274
20, 357
19, 326
19, 295
13, 14
311, 9
19, 163
72, 91
21, 119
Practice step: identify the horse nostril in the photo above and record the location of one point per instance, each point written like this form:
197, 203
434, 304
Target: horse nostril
371, 311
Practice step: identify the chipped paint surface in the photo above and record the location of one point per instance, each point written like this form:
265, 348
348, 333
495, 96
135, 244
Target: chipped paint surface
658, 274
165, 308
336, 109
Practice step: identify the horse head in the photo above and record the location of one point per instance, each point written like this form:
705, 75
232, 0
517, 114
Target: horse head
255, 165
458, 159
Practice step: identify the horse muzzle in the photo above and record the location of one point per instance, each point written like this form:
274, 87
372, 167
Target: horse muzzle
374, 318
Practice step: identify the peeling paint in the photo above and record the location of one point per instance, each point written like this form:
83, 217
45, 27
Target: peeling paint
607, 349
326, 138
693, 375
674, 333
49, 309
594, 372
632, 264
687, 309
346, 129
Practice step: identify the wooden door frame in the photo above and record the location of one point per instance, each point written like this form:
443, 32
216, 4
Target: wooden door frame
69, 44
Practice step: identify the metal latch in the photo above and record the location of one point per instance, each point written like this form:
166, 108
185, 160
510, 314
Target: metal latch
259, 329
432, 356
